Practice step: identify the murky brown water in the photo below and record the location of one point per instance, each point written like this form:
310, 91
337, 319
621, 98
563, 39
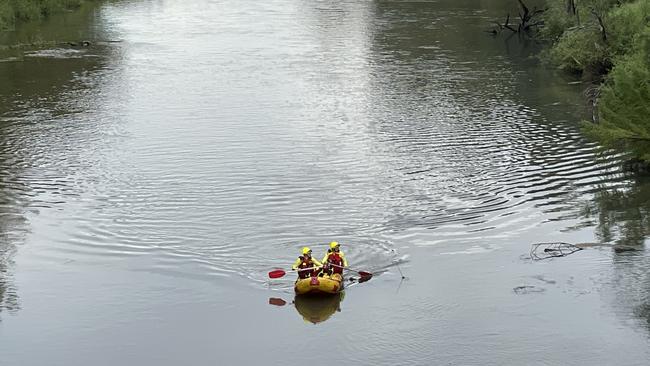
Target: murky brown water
151, 180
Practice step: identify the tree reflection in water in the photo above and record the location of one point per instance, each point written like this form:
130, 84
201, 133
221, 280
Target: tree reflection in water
8, 294
622, 218
13, 223
32, 90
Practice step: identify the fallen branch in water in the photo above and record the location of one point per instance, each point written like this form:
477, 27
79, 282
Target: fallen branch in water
550, 250
528, 21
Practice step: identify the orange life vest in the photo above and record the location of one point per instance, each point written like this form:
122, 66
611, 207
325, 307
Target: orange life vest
305, 262
334, 258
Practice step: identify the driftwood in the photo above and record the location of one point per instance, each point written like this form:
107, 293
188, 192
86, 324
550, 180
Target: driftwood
528, 21
550, 250
541, 251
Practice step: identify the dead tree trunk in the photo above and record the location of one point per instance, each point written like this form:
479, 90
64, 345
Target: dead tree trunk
572, 10
571, 7
603, 32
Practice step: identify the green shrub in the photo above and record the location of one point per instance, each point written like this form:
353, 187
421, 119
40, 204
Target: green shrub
625, 23
7, 17
53, 6
12, 10
556, 21
581, 50
26, 9
624, 106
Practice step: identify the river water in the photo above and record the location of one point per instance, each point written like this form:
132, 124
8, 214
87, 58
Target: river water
152, 179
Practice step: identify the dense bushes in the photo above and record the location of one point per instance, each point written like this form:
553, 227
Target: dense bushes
624, 106
612, 39
581, 51
13, 10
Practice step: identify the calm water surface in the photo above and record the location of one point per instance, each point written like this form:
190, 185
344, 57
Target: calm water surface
150, 181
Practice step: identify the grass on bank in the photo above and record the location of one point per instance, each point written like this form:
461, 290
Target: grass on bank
12, 11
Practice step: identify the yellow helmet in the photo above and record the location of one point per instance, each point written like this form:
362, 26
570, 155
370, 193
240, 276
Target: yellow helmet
306, 250
334, 244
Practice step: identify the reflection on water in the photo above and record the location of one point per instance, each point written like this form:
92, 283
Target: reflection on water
620, 215
318, 309
277, 301
13, 224
630, 285
8, 294
623, 217
38, 106
314, 309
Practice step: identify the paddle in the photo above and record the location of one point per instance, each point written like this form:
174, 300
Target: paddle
280, 272
361, 273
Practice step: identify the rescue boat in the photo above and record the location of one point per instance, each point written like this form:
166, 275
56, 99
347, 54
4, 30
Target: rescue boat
326, 285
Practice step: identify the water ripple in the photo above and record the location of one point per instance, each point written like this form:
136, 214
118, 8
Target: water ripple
271, 139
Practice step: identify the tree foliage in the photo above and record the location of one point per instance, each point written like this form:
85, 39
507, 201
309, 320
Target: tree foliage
557, 19
581, 50
587, 36
624, 107
626, 24
608, 37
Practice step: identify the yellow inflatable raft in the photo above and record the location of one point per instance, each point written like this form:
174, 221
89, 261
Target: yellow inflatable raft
319, 285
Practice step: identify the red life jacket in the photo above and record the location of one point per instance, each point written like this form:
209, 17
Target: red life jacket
305, 263
334, 258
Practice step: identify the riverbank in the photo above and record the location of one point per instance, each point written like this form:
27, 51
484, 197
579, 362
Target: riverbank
609, 43
12, 11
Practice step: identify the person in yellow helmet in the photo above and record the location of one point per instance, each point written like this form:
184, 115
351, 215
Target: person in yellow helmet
334, 260
306, 261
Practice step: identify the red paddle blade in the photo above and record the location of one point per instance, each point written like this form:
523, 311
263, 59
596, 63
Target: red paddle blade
365, 278
277, 273
365, 274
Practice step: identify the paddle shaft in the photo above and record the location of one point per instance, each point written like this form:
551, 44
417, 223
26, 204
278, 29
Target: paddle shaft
306, 269
362, 273
280, 273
